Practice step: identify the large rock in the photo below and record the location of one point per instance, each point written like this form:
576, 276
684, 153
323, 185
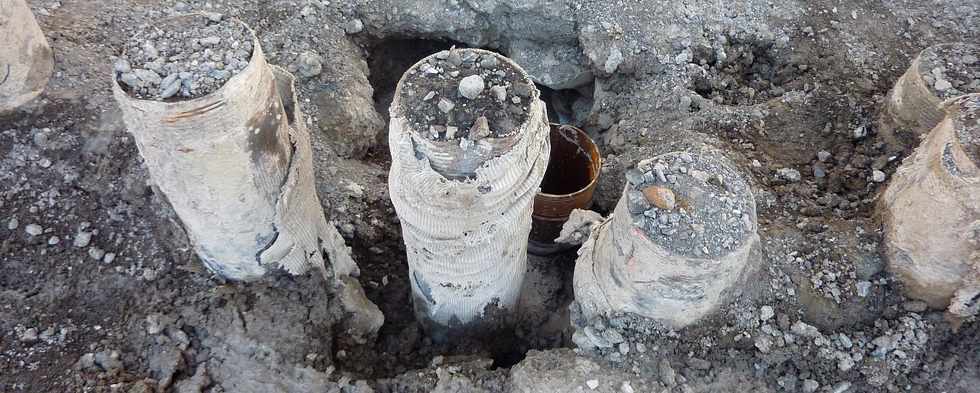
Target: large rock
556, 65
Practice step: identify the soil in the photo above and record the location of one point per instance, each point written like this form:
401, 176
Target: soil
431, 98
744, 71
710, 212
951, 70
185, 57
72, 322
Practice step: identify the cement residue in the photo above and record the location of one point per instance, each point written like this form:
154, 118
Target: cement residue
712, 211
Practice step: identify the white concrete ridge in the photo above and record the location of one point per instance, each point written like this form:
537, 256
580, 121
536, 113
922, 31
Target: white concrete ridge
26, 60
931, 214
237, 167
466, 240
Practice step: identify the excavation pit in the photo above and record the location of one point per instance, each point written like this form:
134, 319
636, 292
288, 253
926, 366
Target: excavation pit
743, 71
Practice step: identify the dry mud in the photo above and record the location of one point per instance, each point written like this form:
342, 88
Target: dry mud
100, 291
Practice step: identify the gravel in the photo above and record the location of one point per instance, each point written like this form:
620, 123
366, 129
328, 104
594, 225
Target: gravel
452, 89
33, 229
310, 64
690, 204
184, 57
952, 69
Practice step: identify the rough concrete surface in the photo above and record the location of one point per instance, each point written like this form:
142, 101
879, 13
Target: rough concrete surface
100, 291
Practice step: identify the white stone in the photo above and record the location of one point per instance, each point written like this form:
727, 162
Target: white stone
471, 86
878, 176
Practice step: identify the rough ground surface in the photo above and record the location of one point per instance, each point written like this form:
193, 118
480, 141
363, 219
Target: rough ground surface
100, 292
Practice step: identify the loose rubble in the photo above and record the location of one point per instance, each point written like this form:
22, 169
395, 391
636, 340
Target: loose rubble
690, 206
187, 57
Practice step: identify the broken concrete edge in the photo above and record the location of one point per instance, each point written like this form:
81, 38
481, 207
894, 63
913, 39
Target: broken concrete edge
931, 217
26, 59
364, 317
579, 227
911, 107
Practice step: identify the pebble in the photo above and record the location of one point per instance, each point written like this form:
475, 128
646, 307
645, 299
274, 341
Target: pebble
810, 386
592, 383
624, 348
488, 61
109, 361
943, 85
96, 253
766, 313
480, 129
82, 239
803, 329
13, 224
471, 86
28, 336
863, 288
763, 343
842, 387
823, 155
310, 64
353, 26
661, 197
34, 229
445, 105
86, 361
789, 174
878, 176
429, 96
499, 92
154, 325
860, 132
54, 240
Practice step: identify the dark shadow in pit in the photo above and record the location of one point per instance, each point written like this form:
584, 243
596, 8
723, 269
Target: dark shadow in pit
568, 106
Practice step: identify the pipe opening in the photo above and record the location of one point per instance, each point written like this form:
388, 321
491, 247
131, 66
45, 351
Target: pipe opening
572, 167
569, 182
